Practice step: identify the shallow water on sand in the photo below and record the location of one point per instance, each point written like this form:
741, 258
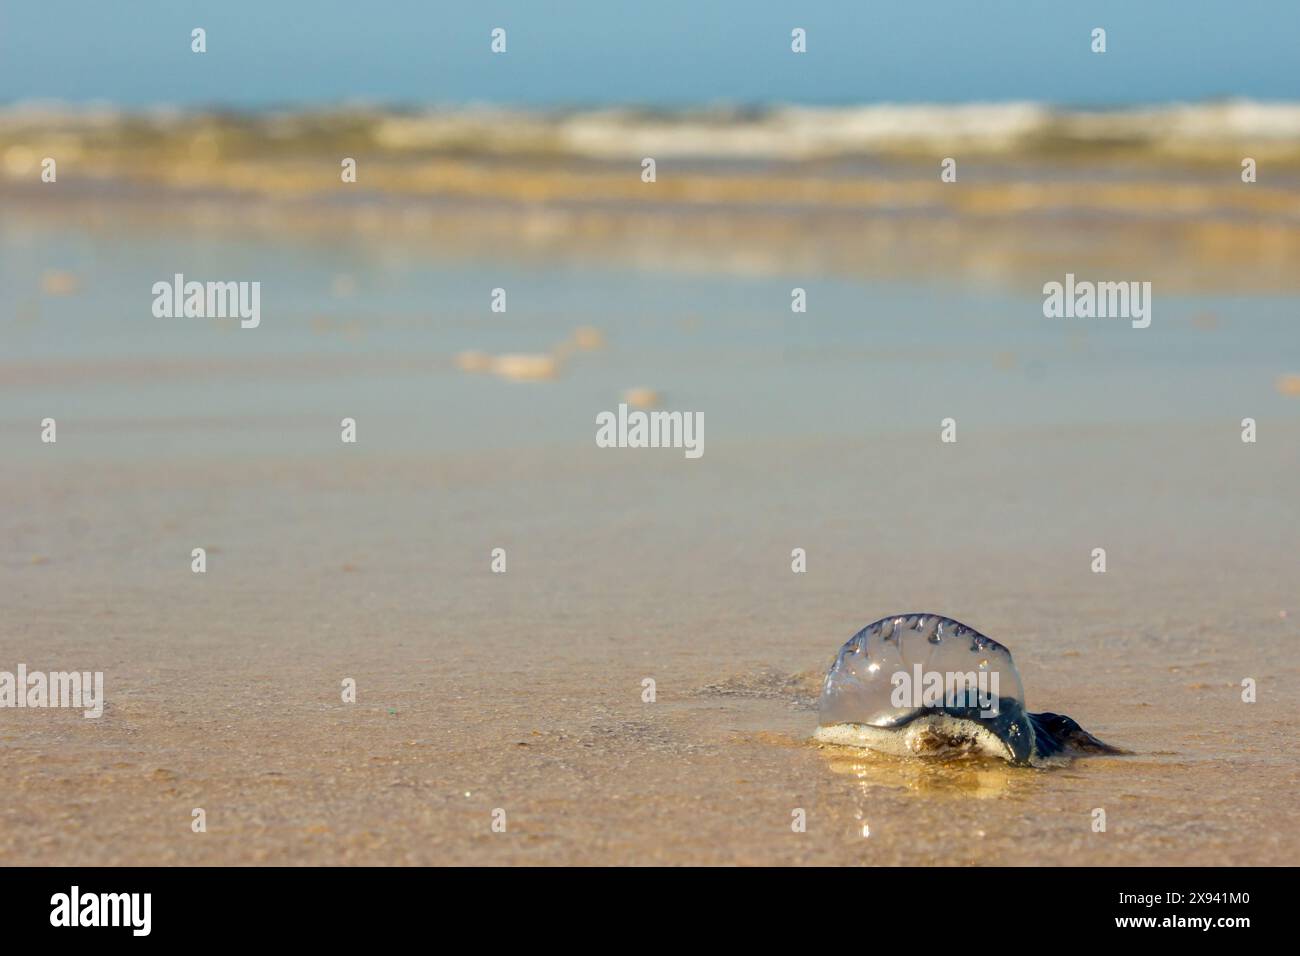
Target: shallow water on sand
373, 329
523, 691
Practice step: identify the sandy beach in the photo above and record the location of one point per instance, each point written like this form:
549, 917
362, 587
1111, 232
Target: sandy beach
523, 691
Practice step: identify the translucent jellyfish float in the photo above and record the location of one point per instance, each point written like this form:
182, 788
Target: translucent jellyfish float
925, 685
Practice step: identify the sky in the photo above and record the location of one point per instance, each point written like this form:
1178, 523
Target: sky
669, 53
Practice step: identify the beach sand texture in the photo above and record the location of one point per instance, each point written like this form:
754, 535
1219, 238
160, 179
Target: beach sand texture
523, 691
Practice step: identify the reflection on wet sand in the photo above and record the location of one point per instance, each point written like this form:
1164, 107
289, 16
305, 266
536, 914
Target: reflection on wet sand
962, 777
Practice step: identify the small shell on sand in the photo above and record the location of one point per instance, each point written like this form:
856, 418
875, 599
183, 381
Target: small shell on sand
588, 338
584, 339
1289, 384
58, 282
642, 397
526, 368
473, 361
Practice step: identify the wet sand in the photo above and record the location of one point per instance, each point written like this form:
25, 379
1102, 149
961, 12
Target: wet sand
522, 691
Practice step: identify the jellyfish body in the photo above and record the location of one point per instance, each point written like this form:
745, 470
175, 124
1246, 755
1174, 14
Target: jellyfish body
926, 685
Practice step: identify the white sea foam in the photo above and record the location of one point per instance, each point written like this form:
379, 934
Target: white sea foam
799, 132
777, 132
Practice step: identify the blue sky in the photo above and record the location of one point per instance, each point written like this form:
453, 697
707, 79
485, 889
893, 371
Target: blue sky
658, 52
